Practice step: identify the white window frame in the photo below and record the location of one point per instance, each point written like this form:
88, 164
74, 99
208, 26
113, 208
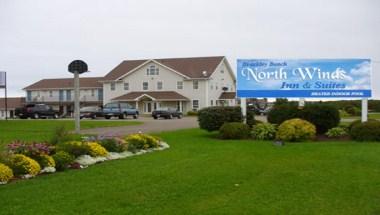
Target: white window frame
152, 70
179, 85
50, 93
113, 86
92, 92
162, 85
126, 86
195, 86
193, 106
147, 85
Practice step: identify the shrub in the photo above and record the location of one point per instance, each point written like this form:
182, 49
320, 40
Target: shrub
96, 150
352, 110
23, 165
343, 113
366, 131
45, 161
29, 149
250, 116
337, 132
323, 116
234, 130
75, 148
63, 160
141, 141
264, 131
356, 122
60, 135
282, 112
113, 145
296, 130
212, 118
6, 173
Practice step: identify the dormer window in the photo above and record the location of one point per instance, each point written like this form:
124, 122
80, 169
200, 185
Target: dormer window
152, 70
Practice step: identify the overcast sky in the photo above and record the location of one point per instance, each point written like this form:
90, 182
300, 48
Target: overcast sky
38, 38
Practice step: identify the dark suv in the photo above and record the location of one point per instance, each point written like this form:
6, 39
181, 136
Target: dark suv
167, 113
36, 111
119, 109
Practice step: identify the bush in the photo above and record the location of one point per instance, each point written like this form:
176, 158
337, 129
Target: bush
23, 165
6, 173
251, 116
61, 135
212, 118
323, 116
343, 113
45, 161
282, 112
337, 132
366, 131
96, 150
352, 110
75, 148
264, 131
63, 160
29, 149
113, 145
295, 130
234, 130
356, 122
141, 141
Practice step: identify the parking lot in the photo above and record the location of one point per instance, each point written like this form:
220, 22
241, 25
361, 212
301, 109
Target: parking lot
149, 125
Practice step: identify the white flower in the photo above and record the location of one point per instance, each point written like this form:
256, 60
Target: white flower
3, 182
48, 170
27, 176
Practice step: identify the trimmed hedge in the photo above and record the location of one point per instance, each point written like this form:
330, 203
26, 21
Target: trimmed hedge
282, 112
323, 116
234, 130
366, 131
212, 118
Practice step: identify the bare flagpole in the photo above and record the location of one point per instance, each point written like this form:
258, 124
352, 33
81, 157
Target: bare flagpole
6, 100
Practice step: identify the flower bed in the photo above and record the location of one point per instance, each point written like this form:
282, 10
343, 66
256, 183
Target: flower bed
27, 160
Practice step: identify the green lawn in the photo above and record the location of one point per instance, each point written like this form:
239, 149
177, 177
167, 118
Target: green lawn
203, 175
370, 116
41, 130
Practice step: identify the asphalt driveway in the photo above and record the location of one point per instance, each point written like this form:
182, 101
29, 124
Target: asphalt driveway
149, 125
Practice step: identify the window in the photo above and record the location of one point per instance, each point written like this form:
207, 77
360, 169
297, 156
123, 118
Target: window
179, 85
212, 86
92, 92
145, 85
216, 86
152, 70
50, 93
159, 85
212, 102
222, 71
29, 95
112, 86
195, 104
126, 86
68, 95
195, 85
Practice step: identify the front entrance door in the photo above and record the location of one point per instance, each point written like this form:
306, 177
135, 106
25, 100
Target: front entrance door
148, 107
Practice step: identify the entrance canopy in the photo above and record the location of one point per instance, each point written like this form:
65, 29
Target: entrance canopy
153, 95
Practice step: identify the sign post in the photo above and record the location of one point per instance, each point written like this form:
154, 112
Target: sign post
3, 84
305, 78
77, 67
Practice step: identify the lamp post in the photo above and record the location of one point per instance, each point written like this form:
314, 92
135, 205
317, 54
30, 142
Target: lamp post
77, 67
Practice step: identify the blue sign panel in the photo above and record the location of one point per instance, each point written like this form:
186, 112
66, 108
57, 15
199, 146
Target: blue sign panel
304, 78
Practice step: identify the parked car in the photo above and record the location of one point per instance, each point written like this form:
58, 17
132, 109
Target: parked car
167, 113
119, 109
91, 112
36, 111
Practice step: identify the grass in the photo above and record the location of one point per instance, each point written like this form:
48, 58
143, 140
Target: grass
202, 175
41, 130
370, 116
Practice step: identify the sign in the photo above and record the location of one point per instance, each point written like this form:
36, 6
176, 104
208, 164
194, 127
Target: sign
307, 78
78, 66
3, 80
